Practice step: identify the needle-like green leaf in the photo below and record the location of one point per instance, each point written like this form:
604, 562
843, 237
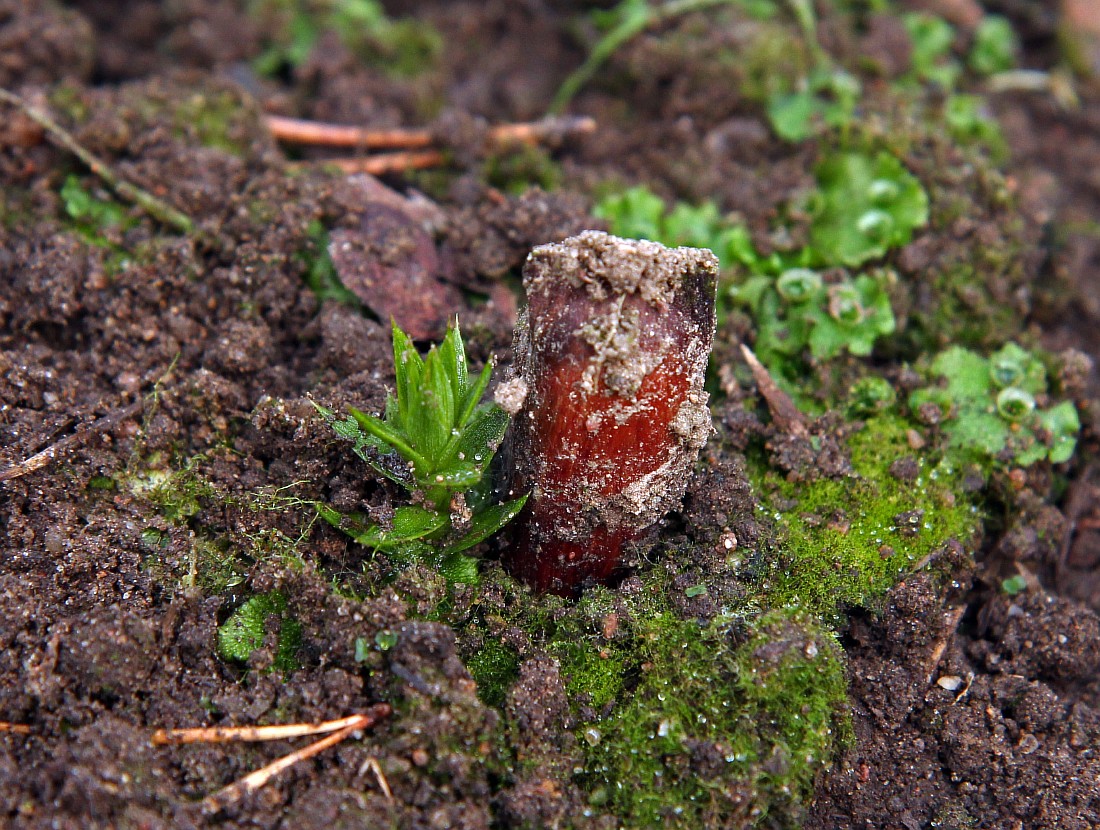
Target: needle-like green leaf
486, 523
453, 354
473, 395
408, 368
384, 432
483, 435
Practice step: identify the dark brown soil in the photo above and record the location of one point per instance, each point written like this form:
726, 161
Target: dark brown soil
972, 709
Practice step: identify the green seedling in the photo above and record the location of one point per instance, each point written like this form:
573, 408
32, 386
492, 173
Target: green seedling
864, 206
320, 271
100, 221
827, 97
436, 440
627, 20
995, 46
91, 214
243, 632
402, 47
931, 61
990, 408
797, 310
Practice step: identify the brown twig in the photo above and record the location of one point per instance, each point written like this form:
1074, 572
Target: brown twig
300, 131
17, 728
227, 734
321, 134
158, 209
951, 625
551, 131
41, 459
1079, 498
415, 145
785, 415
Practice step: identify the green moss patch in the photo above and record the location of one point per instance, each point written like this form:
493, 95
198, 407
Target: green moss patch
494, 668
847, 541
243, 632
719, 728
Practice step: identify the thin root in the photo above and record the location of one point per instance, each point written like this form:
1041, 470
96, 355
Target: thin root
17, 728
227, 734
254, 781
41, 459
299, 131
344, 728
384, 163
158, 209
373, 765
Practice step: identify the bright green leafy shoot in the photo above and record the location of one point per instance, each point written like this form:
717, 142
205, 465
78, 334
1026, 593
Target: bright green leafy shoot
436, 440
91, 213
99, 221
991, 411
320, 273
864, 206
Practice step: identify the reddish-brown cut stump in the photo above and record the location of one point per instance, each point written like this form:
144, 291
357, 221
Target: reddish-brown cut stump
607, 398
